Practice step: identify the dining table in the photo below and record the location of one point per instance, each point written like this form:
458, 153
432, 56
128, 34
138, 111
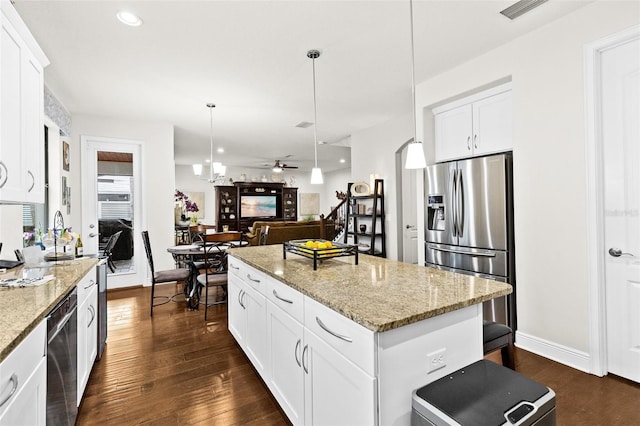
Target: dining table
189, 255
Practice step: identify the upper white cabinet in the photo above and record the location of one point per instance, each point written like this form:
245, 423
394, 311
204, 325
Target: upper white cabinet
21, 111
478, 125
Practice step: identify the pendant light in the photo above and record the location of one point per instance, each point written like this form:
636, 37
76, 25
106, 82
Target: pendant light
316, 172
415, 150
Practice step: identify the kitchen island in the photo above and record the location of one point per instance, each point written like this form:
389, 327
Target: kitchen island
347, 344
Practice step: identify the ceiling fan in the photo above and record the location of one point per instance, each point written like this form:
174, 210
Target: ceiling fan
278, 167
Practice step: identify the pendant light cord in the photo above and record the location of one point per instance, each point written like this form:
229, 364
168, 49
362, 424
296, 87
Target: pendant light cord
315, 116
211, 107
413, 75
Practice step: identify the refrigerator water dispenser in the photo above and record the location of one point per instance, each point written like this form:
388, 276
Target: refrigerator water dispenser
435, 213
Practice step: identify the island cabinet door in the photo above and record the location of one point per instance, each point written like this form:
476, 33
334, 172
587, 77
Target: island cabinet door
236, 310
337, 392
286, 378
256, 332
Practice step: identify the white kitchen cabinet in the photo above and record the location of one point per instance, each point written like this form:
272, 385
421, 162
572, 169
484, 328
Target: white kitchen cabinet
23, 381
337, 392
247, 320
478, 125
285, 346
21, 111
87, 329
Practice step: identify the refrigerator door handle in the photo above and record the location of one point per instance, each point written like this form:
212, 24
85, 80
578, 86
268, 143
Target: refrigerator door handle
454, 197
460, 204
469, 252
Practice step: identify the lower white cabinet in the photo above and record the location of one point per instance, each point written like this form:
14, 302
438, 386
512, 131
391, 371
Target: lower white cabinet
23, 381
336, 391
312, 381
87, 329
247, 320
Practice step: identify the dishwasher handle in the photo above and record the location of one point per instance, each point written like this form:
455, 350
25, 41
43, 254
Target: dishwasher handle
62, 323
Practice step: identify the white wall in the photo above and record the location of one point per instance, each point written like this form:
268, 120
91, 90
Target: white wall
546, 67
373, 151
334, 181
158, 170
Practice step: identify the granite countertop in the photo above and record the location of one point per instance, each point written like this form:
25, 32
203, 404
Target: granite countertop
379, 294
22, 309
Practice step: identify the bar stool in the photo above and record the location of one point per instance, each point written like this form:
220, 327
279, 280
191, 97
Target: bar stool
499, 336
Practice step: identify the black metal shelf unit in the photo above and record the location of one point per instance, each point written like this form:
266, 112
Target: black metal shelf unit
365, 220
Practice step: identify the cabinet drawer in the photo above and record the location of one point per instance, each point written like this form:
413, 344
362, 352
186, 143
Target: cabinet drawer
249, 275
350, 339
85, 285
286, 298
235, 266
21, 363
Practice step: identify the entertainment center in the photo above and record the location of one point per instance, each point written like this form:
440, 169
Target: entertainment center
240, 205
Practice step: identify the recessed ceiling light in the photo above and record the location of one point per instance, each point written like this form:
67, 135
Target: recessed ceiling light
207, 160
220, 150
342, 160
129, 18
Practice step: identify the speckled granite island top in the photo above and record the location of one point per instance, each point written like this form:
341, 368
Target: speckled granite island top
21, 309
379, 294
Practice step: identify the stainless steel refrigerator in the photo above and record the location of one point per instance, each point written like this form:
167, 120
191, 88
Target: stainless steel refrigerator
469, 224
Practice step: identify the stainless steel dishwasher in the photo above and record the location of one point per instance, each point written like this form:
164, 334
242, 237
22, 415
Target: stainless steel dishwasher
62, 375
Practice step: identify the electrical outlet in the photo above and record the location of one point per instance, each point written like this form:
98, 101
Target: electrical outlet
436, 360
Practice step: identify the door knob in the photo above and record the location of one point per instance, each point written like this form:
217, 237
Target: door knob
409, 226
616, 252
93, 234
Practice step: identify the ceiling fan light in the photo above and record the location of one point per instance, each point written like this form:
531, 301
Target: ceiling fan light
415, 156
316, 176
197, 169
277, 169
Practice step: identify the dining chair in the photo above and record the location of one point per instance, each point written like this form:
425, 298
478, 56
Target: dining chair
166, 276
215, 267
108, 250
264, 235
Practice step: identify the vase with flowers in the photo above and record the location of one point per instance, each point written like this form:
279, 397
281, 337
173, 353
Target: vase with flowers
187, 207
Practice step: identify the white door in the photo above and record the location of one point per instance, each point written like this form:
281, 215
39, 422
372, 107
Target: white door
620, 67
135, 270
409, 213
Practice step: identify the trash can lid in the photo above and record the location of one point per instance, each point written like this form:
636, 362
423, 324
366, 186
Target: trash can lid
480, 393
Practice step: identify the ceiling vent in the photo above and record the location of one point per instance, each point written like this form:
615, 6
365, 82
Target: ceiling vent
521, 7
304, 124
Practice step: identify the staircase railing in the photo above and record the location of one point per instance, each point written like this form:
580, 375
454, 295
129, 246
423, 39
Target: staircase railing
333, 224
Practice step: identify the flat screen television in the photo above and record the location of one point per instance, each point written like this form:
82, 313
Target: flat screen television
258, 206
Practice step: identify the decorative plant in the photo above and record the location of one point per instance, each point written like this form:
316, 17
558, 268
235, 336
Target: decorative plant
186, 205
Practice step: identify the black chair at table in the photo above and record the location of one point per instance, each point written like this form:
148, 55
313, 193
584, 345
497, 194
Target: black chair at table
108, 250
499, 336
214, 266
166, 276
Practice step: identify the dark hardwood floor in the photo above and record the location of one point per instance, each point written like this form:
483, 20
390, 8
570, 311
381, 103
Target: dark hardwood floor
177, 369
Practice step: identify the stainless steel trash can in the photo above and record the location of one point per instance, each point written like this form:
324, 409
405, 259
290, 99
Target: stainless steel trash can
484, 394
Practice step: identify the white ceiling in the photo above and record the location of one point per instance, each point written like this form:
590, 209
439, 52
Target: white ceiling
249, 57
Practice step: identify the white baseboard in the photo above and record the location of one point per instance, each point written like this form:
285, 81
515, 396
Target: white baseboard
559, 353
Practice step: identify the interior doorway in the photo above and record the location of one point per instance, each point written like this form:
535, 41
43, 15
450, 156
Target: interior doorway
613, 134
407, 209
111, 207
